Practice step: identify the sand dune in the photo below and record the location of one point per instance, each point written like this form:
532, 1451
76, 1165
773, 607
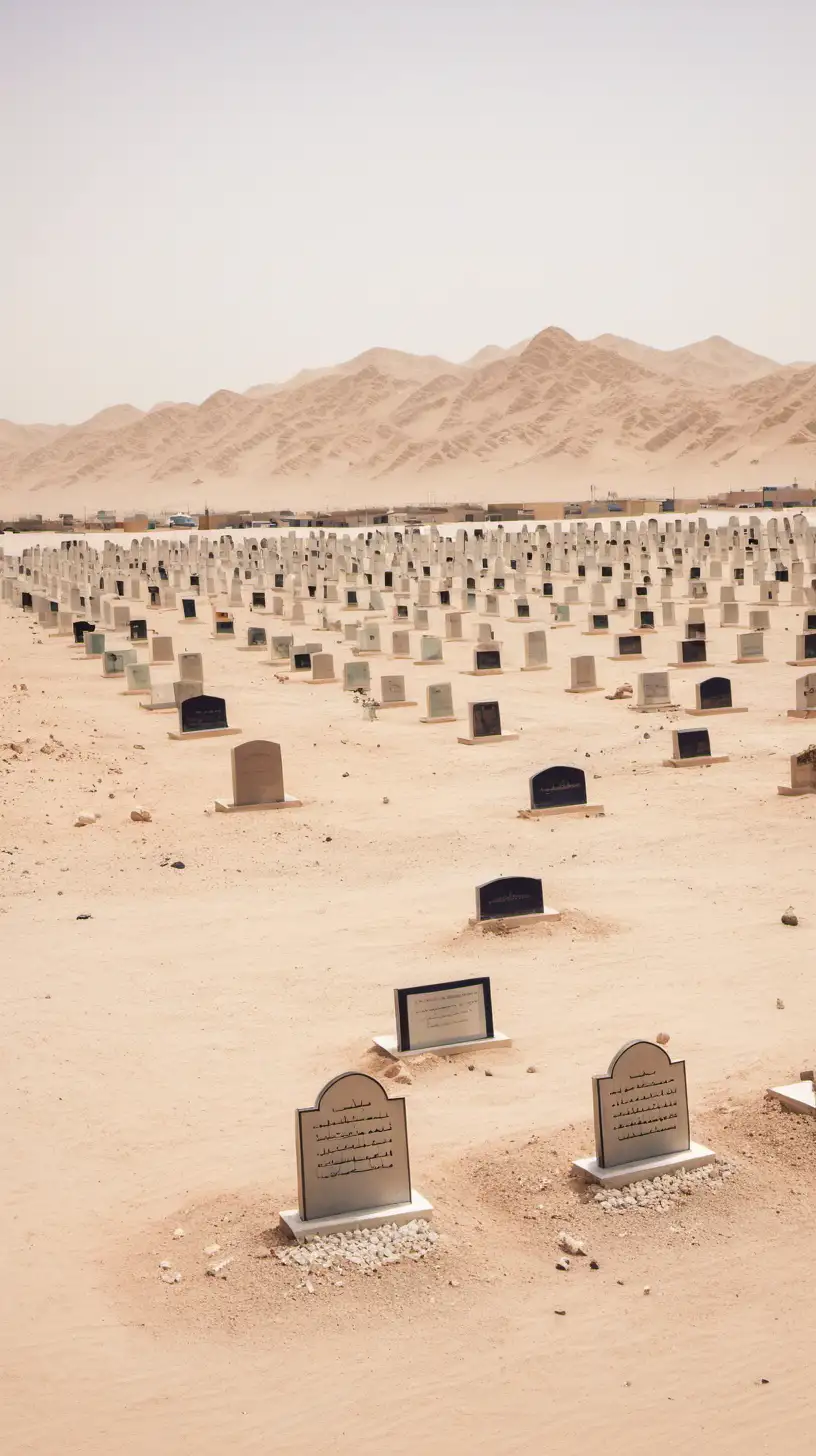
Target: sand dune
539, 420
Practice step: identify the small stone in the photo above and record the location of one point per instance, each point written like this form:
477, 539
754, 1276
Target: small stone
84, 917
789, 918
386, 801
563, 1264
593, 1264
178, 1233
780, 1005
471, 1067
647, 1289
662, 1038
82, 820
454, 1283
216, 1271
178, 864
310, 1289
165, 1264
560, 1311
345, 774
141, 816
171, 1278
211, 1250
532, 1069
488, 1072
570, 1244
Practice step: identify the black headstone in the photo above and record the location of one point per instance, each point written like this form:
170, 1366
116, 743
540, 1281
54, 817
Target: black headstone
256, 636
693, 650
202, 714
693, 743
600, 622
259, 599
810, 644
516, 895
486, 720
225, 628
487, 659
629, 647
556, 787
647, 619
522, 609
696, 631
302, 661
138, 629
80, 628
188, 607
715, 692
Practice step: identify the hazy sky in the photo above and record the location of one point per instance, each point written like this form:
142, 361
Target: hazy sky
198, 195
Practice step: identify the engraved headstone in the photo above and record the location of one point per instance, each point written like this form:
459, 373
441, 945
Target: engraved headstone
438, 703
515, 895
352, 1150
442, 1015
558, 787
714, 692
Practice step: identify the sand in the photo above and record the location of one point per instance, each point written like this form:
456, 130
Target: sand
155, 1052
540, 421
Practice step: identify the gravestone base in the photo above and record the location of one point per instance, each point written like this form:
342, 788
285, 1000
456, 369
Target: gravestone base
746, 661
206, 733
399, 656
695, 1156
406, 703
595, 632
560, 626
390, 1046
477, 671
261, 647
801, 661
801, 712
790, 793
223, 806
366, 652
304, 1229
702, 762
188, 621
655, 708
514, 920
159, 707
589, 809
134, 692
428, 662
442, 720
691, 666
489, 738
709, 712
627, 657
539, 667
583, 690
321, 682
798, 1097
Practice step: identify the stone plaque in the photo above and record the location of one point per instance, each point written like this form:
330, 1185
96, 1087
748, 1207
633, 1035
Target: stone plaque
257, 773
715, 692
352, 1149
356, 677
94, 644
302, 661
161, 649
554, 788
641, 1106
600, 622
442, 1014
750, 644
695, 631
629, 647
692, 650
487, 659
202, 714
392, 690
188, 607
137, 677
280, 648
186, 688
691, 743
191, 666
224, 624
805, 693
485, 720
653, 689
259, 599
439, 700
516, 895
535, 649
646, 619
138, 629
256, 636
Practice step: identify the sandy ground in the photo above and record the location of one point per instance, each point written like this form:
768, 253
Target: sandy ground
154, 1054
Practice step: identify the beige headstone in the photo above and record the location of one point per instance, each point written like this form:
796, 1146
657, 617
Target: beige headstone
641, 1106
257, 773
352, 1149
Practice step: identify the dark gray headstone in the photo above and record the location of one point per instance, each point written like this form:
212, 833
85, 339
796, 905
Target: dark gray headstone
516, 895
558, 787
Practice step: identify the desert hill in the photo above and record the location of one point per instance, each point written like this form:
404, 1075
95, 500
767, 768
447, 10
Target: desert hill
538, 420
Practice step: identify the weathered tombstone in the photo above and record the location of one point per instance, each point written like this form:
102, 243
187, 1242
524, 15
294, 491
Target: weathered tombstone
138, 629
516, 897
559, 790
805, 650
352, 1159
137, 678
79, 629
301, 661
691, 652
561, 615
190, 666
186, 688
484, 721
392, 693
597, 625
368, 640
188, 607
94, 644
691, 746
161, 649
750, 647
114, 663
257, 778
805, 697
641, 1119
202, 717
400, 644
627, 646
453, 626
713, 695
582, 676
256, 640
322, 669
356, 677
439, 704
448, 1016
162, 698
486, 660
759, 620
535, 652
280, 649
802, 773
430, 650
653, 692
258, 602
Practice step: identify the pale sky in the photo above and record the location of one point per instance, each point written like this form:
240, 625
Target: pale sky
201, 195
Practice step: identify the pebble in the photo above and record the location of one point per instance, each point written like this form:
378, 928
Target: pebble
217, 1270
211, 1250
178, 1233
560, 1311
141, 816
171, 1278
780, 1005
83, 820
563, 1264
532, 1069
662, 1038
570, 1244
367, 1249
178, 864
661, 1192
789, 918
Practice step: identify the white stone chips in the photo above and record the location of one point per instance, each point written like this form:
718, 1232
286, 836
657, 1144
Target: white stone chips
368, 1249
660, 1193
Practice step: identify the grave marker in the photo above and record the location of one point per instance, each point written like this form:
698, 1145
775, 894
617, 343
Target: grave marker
484, 721
516, 897
559, 790
448, 1016
202, 716
257, 779
691, 746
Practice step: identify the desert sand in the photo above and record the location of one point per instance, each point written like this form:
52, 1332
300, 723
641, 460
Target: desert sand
539, 421
154, 1054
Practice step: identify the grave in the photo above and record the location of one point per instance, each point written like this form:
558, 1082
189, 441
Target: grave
691, 652
161, 650
301, 661
190, 666
392, 693
514, 899
805, 697
597, 624
430, 651
257, 779
352, 1160
750, 647
202, 717
356, 677
186, 688
713, 695
802, 774
805, 650
138, 629
641, 1119
627, 648
137, 677
79, 629
439, 704
162, 699
486, 662
223, 624
484, 722
582, 676
535, 652
797, 1096
322, 669
114, 663
94, 644
653, 693
559, 790
400, 644
255, 640
691, 746
449, 1016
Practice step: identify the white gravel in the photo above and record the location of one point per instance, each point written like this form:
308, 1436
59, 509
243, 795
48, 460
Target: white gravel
661, 1193
366, 1249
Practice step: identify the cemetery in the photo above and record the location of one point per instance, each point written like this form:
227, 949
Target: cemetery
201, 967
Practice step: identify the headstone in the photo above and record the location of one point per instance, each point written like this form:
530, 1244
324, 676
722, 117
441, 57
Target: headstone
515, 896
750, 647
202, 714
487, 659
805, 697
691, 652
257, 778
186, 688
485, 720
114, 663
535, 651
223, 624
430, 649
94, 644
690, 743
641, 1118
191, 666
352, 1158
392, 692
161, 649
582, 675
80, 629
628, 646
400, 644
653, 690
438, 703
188, 607
356, 677
802, 774
137, 677
714, 693
256, 639
559, 788
443, 1015
138, 629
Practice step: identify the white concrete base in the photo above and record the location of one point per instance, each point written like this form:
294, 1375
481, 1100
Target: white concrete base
695, 1156
561, 809
540, 667
746, 661
389, 1045
546, 914
313, 1228
479, 671
489, 738
693, 762
205, 733
406, 703
802, 662
798, 1097
450, 720
159, 707
710, 712
655, 708
223, 806
802, 712
790, 793
583, 690
628, 657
